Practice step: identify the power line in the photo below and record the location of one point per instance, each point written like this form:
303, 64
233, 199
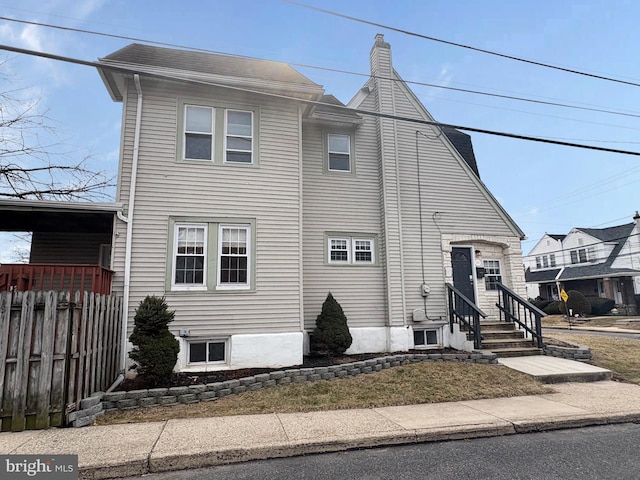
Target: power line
461, 45
389, 116
328, 69
600, 242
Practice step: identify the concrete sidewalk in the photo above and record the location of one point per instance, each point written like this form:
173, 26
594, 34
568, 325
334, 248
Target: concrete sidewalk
136, 449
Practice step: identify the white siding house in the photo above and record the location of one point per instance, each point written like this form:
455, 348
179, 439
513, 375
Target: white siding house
600, 262
250, 194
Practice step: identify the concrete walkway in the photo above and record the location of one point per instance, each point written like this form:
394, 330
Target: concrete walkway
136, 449
556, 370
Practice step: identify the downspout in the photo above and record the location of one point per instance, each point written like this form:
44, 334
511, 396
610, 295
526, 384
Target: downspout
129, 221
300, 222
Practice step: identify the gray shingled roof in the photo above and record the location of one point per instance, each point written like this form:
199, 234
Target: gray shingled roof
540, 276
330, 99
462, 143
609, 234
208, 63
618, 234
556, 236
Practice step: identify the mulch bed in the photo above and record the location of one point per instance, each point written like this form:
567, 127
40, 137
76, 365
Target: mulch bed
194, 378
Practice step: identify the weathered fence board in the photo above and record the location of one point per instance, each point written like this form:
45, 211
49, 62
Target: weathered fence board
53, 353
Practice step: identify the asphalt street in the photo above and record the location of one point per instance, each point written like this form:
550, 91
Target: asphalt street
605, 452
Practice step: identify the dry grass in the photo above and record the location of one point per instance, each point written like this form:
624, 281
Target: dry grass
608, 321
427, 382
620, 355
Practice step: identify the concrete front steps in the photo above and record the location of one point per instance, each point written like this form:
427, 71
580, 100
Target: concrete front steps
505, 341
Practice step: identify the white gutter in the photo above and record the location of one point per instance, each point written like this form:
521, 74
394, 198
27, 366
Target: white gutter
129, 221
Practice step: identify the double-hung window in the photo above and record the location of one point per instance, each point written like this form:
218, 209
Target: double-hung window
233, 256
339, 153
339, 250
198, 132
211, 256
238, 136
492, 274
362, 250
350, 250
218, 132
190, 253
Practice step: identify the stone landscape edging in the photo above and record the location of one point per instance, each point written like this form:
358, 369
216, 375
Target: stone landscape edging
133, 399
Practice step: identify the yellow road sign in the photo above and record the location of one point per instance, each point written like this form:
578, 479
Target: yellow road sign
564, 295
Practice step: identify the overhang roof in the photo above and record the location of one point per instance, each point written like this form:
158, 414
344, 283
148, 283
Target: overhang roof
188, 65
55, 216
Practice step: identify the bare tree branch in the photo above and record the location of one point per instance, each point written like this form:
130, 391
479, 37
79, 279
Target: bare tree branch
31, 168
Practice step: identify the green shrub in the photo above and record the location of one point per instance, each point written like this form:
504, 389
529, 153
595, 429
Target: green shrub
331, 335
541, 304
552, 308
577, 303
601, 306
155, 349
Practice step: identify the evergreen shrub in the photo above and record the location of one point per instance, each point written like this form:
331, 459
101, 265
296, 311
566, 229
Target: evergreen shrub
155, 349
331, 335
577, 303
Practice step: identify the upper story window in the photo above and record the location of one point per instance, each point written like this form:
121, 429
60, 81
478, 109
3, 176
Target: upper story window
198, 132
492, 274
545, 261
239, 136
219, 133
538, 262
578, 256
552, 260
339, 153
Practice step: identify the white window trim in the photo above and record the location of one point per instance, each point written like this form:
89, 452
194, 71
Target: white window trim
185, 132
329, 152
348, 250
190, 286
235, 286
226, 135
351, 249
353, 246
207, 341
493, 274
427, 346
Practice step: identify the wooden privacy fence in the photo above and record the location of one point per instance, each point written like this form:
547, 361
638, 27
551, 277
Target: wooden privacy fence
55, 351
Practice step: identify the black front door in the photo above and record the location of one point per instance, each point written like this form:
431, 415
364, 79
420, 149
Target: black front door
463, 272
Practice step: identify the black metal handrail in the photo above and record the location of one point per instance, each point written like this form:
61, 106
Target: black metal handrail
514, 308
464, 312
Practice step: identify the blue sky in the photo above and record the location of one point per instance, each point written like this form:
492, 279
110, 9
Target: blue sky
545, 188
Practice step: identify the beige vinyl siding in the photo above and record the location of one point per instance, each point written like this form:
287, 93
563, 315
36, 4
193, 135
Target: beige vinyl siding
67, 247
267, 194
344, 203
447, 187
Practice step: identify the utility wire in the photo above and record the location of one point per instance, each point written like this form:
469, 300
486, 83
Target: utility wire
130, 69
461, 45
328, 69
600, 242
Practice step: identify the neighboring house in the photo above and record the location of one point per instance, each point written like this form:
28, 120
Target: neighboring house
602, 262
249, 194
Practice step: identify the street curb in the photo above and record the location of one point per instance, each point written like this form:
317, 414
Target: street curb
166, 463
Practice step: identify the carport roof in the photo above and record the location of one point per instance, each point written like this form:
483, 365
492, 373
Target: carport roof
56, 216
